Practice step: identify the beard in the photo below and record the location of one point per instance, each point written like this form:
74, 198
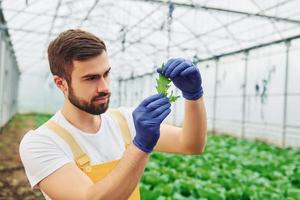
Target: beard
89, 107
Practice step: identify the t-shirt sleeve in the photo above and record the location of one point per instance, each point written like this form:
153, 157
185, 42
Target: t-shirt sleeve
127, 113
40, 156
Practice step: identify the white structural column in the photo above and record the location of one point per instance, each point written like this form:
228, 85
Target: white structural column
244, 95
285, 93
215, 95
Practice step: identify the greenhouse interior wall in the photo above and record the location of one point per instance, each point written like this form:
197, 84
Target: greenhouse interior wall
253, 94
9, 77
247, 94
250, 94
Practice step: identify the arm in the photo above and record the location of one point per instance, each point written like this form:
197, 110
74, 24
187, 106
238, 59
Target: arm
191, 138
69, 182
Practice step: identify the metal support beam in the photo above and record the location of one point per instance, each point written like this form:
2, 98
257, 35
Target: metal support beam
119, 92
285, 93
244, 94
250, 48
215, 96
216, 9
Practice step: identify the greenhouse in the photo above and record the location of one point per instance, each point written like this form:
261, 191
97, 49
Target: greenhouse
230, 70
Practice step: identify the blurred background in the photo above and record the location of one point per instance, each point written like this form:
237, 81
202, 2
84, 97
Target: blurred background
247, 52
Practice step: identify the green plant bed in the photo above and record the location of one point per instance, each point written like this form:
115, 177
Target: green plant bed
230, 168
41, 118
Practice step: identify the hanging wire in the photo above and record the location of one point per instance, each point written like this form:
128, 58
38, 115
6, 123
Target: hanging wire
170, 13
227, 24
134, 26
88, 13
272, 21
141, 38
21, 11
52, 26
169, 23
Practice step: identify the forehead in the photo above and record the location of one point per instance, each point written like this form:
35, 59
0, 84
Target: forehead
96, 65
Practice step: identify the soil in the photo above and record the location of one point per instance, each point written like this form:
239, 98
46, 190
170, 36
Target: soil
13, 182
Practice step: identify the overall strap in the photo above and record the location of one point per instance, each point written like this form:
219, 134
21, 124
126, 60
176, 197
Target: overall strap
81, 158
118, 116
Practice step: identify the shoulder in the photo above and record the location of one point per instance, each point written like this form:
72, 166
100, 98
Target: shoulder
41, 154
38, 137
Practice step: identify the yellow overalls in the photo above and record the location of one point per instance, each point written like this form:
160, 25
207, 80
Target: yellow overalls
95, 172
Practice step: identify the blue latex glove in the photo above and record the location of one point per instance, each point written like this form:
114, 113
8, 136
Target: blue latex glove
185, 76
147, 119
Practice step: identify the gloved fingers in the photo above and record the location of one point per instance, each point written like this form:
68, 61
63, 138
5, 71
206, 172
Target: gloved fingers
189, 62
189, 70
157, 103
168, 68
170, 61
150, 99
155, 113
163, 115
159, 70
178, 69
173, 66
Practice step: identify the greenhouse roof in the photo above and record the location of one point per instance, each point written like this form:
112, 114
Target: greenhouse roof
141, 34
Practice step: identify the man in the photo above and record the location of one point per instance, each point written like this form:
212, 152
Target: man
79, 153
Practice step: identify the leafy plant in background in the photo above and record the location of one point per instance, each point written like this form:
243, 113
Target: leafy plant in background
163, 85
230, 169
41, 119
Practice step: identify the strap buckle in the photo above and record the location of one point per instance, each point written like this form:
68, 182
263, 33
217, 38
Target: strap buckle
83, 162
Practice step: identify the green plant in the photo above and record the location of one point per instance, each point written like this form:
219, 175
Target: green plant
163, 85
41, 119
230, 168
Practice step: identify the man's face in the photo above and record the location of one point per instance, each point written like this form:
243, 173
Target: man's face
89, 88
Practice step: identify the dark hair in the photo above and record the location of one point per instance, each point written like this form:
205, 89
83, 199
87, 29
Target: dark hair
70, 45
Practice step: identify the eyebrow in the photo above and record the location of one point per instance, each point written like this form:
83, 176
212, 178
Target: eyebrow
91, 75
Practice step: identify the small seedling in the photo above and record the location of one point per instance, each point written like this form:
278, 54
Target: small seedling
162, 86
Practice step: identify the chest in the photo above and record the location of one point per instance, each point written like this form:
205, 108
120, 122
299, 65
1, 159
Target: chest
101, 148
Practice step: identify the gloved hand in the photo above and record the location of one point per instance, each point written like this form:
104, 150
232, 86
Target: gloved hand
185, 76
147, 119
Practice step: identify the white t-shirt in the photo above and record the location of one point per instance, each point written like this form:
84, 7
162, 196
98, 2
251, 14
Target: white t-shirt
42, 151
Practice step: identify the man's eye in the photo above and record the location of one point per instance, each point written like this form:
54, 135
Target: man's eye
91, 78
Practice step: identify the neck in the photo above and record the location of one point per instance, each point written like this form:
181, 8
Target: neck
81, 119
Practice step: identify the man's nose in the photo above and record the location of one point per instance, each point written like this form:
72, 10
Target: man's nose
103, 85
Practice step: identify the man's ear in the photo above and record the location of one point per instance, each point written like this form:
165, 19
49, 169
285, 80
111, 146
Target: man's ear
61, 83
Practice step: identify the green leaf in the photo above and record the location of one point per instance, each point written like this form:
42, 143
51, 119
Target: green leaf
294, 193
163, 85
148, 194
